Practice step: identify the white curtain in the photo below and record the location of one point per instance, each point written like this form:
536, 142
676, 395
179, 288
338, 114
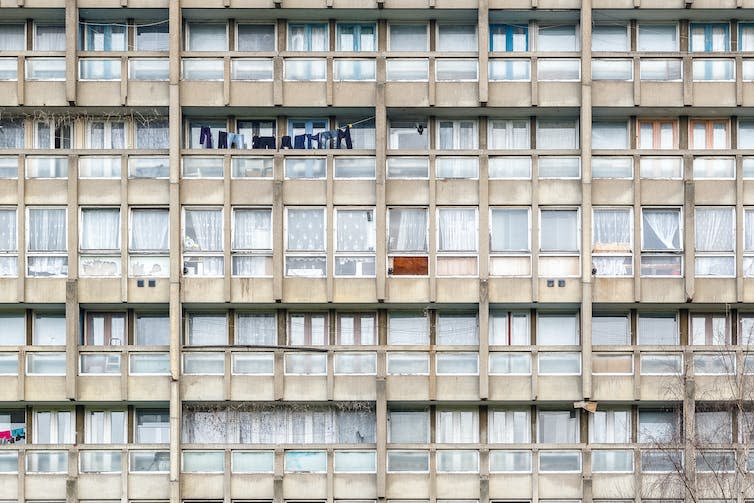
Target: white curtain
559, 230
149, 229
355, 231
204, 230
50, 38
252, 230
47, 230
509, 230
207, 37
662, 230
557, 427
457, 329
457, 426
714, 229
509, 134
207, 330
306, 229
152, 134
747, 38
11, 133
12, 38
408, 37
510, 427
256, 329
8, 230
557, 134
612, 230
408, 230
100, 229
457, 229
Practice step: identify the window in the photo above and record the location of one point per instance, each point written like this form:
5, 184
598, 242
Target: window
11, 133
52, 135
559, 236
203, 69
255, 37
709, 37
152, 426
408, 37
203, 242
105, 427
710, 329
611, 330
658, 330
509, 38
13, 37
105, 329
709, 134
356, 37
612, 232
715, 242
660, 364
53, 427
354, 70
149, 461
661, 242
658, 37
309, 37
305, 242
305, 364
152, 69
49, 329
510, 364
658, 426
612, 461
509, 70
509, 426
558, 38
612, 364
558, 70
14, 329
713, 426
407, 328
103, 36
204, 363
149, 242
152, 134
557, 134
307, 329
408, 461
356, 329
202, 167
49, 37
251, 167
748, 264
256, 329
661, 167
203, 36
251, 69
612, 69
409, 135
457, 426
713, 70
46, 242
658, 134
457, 363
408, 167
106, 134
152, 330
152, 36
195, 131
609, 135
611, 426
457, 135
407, 70
13, 424
207, 330
457, 235
557, 329
557, 427
8, 242
355, 168
661, 69
509, 329
510, 245
720, 168
457, 329
508, 134
559, 364
407, 241
610, 37
100, 242
456, 38
559, 167
354, 242
252, 242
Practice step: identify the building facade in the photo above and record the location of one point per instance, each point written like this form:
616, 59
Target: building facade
345, 251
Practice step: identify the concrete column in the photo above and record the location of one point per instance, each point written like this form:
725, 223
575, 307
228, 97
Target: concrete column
585, 121
71, 46
483, 27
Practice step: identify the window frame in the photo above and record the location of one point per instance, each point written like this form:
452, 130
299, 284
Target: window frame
709, 131
274, 35
250, 252
311, 253
509, 30
47, 253
657, 125
201, 254
357, 27
108, 339
187, 37
308, 317
678, 252
107, 425
617, 253
729, 254
426, 33
355, 254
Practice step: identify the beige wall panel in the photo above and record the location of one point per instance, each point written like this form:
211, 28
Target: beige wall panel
305, 94
407, 387
660, 486
304, 4
354, 4
99, 486
748, 290
559, 94
155, 388
458, 388
457, 191
510, 290
47, 389
250, 94
509, 94
359, 94
44, 192
407, 485
45, 486
613, 289
706, 483
251, 192
456, 4
407, 94
8, 191
51, 94
559, 4
9, 486
251, 289
261, 486
662, 290
458, 486
202, 485
715, 192
197, 387
559, 192
146, 294
606, 93
510, 192
612, 192
354, 290
304, 290
305, 388
202, 192
718, 94
510, 388
354, 192
354, 388
198, 94
559, 388
505, 486
661, 388
202, 4
98, 93
715, 290
9, 289
148, 4
407, 290
510, 4
304, 192
260, 388
658, 94
747, 89
148, 192
407, 192
149, 486
99, 192
147, 93
355, 486
100, 388
110, 4
457, 289
306, 486
661, 192
571, 292
8, 389
44, 290
457, 94
99, 290
9, 94
203, 290
58, 4
715, 387
406, 4
613, 486
559, 485
612, 387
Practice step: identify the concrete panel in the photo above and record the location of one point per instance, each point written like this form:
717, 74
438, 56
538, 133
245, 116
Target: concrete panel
510, 388
251, 192
45, 486
99, 290
8, 191
100, 388
559, 388
748, 290
612, 387
9, 94
510, 290
44, 291
354, 486
202, 290
304, 290
715, 387
151, 388
202, 94
661, 388
456, 4
145, 4
747, 93
99, 192
509, 94
407, 387
457, 94
305, 94
715, 192
202, 485
612, 192
407, 290
51, 94
261, 388
661, 192
559, 4
99, 486
354, 192
354, 94
251, 290
661, 486
559, 485
457, 191
661, 94
159, 293
613, 289
149, 486
662, 290
148, 192
613, 486
458, 486
457, 289
407, 94
305, 388
250, 94
306, 486
9, 486
458, 388
354, 4
354, 290
98, 93
346, 387
304, 192
571, 292
559, 192
261, 486
715, 290
510, 192
197, 387
202, 192
8, 288
405, 485
154, 94
407, 192
559, 94
608, 93
510, 486
9, 388
718, 94
40, 191
202, 4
